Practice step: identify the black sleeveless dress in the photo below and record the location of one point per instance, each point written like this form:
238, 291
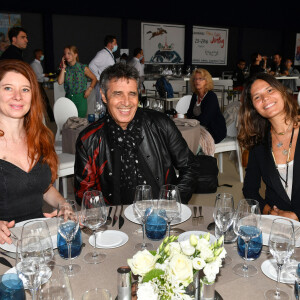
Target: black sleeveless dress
21, 193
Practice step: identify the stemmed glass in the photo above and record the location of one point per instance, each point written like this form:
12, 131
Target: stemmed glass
94, 215
282, 246
247, 225
68, 225
57, 287
97, 294
29, 263
223, 215
143, 206
169, 203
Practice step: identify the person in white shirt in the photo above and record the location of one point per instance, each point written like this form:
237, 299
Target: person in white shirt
135, 62
103, 59
37, 67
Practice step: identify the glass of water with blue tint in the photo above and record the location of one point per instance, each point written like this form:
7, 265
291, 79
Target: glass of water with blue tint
156, 227
254, 246
11, 287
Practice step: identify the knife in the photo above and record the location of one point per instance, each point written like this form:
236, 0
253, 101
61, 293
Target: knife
5, 262
121, 219
108, 220
115, 218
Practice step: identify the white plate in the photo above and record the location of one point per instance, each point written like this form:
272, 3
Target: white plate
12, 247
186, 235
265, 235
185, 215
109, 239
269, 268
44, 279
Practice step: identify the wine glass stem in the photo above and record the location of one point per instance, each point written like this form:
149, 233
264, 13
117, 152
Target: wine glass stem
169, 227
69, 255
277, 293
95, 238
245, 266
33, 294
143, 227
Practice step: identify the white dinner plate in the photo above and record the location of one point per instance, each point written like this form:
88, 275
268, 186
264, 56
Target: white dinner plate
269, 268
44, 278
12, 247
109, 239
266, 231
185, 215
186, 235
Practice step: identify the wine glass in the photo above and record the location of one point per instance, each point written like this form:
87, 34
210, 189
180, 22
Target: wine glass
40, 229
143, 206
97, 294
68, 225
94, 215
57, 287
282, 246
247, 225
223, 215
29, 263
169, 203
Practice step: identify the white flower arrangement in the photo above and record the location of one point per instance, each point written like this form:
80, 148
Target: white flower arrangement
164, 274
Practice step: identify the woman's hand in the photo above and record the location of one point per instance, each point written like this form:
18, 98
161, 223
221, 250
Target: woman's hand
284, 213
88, 92
4, 231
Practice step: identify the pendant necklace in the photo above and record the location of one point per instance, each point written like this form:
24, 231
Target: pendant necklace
287, 162
280, 144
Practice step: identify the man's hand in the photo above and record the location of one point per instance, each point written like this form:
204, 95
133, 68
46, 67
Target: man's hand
4, 231
283, 213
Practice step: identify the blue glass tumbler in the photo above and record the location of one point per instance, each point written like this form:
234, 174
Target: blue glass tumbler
156, 227
75, 247
11, 287
254, 247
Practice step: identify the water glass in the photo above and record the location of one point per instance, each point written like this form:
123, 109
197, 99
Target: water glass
76, 245
254, 247
156, 227
97, 294
11, 287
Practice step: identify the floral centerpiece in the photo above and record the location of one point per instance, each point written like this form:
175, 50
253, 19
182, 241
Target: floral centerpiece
165, 274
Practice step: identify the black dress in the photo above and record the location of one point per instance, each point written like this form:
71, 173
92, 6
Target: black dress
21, 193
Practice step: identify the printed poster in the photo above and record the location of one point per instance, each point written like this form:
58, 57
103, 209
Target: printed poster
297, 50
209, 46
6, 22
163, 43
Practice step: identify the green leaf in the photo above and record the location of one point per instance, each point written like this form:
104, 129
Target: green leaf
155, 273
153, 252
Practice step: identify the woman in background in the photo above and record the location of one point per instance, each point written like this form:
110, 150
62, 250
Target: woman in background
204, 105
269, 128
74, 76
28, 162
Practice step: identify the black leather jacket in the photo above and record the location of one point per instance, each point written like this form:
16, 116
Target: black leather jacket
163, 149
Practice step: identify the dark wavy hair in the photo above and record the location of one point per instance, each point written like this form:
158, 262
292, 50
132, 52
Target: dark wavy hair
254, 127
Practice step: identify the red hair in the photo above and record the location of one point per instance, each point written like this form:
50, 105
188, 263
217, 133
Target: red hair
40, 139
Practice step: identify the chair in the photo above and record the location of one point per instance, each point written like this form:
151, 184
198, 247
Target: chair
230, 143
63, 109
298, 100
65, 168
183, 104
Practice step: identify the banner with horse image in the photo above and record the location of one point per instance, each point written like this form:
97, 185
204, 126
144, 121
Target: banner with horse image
163, 43
297, 50
6, 22
210, 46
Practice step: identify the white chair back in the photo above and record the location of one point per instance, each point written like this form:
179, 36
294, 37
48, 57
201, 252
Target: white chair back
183, 104
63, 109
298, 100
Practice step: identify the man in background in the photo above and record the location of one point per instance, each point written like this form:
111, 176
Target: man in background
238, 74
277, 67
37, 67
103, 59
18, 39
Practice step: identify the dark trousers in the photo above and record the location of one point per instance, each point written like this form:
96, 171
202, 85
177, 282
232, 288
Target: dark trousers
47, 103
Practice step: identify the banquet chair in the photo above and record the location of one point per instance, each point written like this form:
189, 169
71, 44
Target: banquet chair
230, 143
298, 99
63, 109
183, 104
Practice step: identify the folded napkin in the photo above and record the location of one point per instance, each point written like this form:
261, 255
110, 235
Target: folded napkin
186, 122
51, 222
75, 122
266, 225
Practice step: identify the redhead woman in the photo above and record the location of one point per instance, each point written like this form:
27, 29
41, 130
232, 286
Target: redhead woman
74, 76
270, 130
28, 162
204, 105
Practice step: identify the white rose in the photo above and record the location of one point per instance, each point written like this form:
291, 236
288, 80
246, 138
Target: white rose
187, 248
211, 270
180, 269
142, 262
202, 243
198, 263
206, 253
174, 248
147, 291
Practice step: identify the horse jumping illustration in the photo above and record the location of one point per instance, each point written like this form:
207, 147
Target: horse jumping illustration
160, 31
